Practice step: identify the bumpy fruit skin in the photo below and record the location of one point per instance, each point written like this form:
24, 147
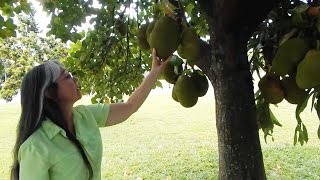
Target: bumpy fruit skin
172, 70
185, 91
288, 56
122, 27
164, 37
150, 28
200, 82
271, 90
142, 37
174, 95
293, 94
190, 46
299, 17
308, 71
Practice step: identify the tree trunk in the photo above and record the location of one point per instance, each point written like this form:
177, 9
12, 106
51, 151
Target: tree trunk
225, 61
240, 155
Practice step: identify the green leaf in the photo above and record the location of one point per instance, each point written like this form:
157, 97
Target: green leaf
75, 37
25, 6
94, 100
1, 21
1, 68
300, 138
295, 138
7, 10
189, 8
4, 33
317, 107
274, 119
313, 100
158, 84
300, 107
10, 25
305, 133
319, 132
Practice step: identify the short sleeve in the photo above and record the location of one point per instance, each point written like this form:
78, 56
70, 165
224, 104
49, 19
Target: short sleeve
33, 164
100, 113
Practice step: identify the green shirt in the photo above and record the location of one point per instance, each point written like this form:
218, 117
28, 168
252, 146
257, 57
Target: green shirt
49, 154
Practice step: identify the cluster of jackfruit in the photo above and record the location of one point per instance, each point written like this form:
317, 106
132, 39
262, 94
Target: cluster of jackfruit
162, 34
298, 60
189, 84
189, 87
165, 35
291, 64
275, 90
296, 65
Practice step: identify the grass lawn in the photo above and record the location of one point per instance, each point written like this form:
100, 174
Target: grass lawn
166, 141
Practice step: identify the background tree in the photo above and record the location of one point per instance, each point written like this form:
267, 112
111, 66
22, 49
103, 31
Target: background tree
19, 54
8, 9
110, 63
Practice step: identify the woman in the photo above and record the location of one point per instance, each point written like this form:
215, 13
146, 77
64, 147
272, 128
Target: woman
58, 141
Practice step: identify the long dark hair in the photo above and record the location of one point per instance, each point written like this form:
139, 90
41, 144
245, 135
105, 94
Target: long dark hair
36, 107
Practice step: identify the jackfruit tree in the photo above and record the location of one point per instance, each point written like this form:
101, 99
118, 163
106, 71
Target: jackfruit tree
213, 37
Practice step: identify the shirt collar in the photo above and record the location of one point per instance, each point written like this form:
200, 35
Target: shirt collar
51, 129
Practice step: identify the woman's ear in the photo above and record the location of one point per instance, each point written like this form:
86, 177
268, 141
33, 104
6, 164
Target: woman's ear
49, 93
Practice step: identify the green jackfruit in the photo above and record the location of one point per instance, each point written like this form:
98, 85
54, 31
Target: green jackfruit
288, 56
200, 82
190, 46
271, 90
164, 37
173, 69
174, 95
293, 94
121, 27
186, 91
299, 17
142, 37
150, 28
308, 71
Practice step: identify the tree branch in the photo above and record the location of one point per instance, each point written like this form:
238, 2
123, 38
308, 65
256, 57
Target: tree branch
205, 60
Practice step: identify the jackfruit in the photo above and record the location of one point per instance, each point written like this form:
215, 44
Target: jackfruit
174, 95
164, 37
190, 46
308, 71
180, 52
200, 81
150, 28
186, 91
172, 70
142, 37
288, 56
271, 90
121, 27
299, 17
293, 94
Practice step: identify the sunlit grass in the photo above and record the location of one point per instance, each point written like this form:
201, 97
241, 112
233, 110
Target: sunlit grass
164, 140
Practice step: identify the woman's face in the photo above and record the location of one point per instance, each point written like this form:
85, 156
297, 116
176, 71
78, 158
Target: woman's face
68, 90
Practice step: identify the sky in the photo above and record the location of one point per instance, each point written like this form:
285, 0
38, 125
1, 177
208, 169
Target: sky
41, 17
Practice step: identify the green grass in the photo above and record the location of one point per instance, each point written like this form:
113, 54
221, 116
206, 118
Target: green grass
166, 141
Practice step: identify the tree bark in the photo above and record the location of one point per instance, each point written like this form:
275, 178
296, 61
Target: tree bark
225, 62
240, 155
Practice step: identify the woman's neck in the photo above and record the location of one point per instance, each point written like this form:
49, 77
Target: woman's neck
68, 117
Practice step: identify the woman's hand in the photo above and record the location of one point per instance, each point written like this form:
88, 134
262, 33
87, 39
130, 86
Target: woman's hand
157, 64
